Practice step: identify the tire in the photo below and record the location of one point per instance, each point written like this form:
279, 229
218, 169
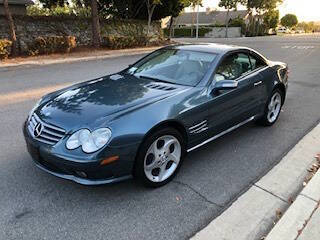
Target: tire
160, 157
273, 108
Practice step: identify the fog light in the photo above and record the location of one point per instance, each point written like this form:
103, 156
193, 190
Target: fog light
81, 174
109, 160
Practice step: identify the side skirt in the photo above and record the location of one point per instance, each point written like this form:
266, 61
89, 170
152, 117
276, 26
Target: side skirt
221, 134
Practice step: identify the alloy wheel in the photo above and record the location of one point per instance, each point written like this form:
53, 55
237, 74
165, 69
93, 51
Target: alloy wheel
274, 107
162, 158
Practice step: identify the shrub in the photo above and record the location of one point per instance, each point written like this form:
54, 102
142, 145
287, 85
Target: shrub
5, 48
52, 44
118, 42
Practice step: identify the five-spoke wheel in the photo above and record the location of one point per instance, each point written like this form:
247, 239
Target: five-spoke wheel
273, 108
160, 157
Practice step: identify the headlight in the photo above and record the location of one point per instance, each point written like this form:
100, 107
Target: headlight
89, 141
34, 108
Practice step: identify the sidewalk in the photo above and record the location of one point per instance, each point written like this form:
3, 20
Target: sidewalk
258, 213
302, 220
89, 54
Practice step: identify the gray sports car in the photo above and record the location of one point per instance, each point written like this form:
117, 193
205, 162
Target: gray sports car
143, 120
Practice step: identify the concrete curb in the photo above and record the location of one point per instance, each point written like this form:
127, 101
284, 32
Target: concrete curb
292, 224
254, 213
107, 54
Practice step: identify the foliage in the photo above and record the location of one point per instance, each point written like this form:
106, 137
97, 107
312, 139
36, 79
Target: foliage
118, 42
262, 5
308, 26
186, 32
256, 27
229, 4
123, 9
64, 10
5, 48
238, 22
271, 19
53, 3
289, 20
52, 44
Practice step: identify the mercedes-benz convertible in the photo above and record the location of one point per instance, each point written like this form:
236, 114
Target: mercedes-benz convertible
143, 120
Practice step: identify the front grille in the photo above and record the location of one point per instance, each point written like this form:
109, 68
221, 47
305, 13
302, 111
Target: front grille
44, 132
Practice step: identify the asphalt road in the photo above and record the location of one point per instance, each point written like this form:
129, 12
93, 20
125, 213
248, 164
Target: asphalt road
35, 205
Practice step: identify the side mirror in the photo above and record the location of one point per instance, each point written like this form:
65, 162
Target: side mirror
225, 85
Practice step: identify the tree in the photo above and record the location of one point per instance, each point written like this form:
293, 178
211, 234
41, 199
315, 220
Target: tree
289, 20
151, 5
260, 7
12, 30
174, 7
96, 37
53, 3
228, 4
271, 18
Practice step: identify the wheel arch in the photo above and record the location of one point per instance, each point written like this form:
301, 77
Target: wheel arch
282, 88
168, 123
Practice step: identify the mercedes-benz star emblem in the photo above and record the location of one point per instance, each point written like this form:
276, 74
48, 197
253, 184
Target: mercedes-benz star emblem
38, 130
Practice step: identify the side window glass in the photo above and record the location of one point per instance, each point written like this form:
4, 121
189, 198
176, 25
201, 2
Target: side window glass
233, 67
244, 63
256, 62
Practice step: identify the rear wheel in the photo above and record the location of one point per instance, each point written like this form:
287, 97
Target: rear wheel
273, 109
160, 157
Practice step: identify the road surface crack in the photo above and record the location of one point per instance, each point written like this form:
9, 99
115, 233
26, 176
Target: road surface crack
198, 193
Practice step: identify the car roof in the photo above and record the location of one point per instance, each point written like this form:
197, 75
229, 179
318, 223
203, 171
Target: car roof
209, 47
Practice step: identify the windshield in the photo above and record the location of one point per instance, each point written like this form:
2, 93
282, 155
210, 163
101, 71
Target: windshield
174, 66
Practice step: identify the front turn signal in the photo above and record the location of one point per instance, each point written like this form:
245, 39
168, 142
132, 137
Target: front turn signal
109, 160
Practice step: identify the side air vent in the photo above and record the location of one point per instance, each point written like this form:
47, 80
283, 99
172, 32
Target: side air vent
198, 128
160, 87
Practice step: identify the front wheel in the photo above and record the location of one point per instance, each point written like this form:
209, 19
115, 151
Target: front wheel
160, 157
273, 109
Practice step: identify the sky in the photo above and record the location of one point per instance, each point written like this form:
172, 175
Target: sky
306, 10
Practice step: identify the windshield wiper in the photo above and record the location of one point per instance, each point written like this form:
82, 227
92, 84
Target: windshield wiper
155, 79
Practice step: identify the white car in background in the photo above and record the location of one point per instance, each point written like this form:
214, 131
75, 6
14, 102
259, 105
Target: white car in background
283, 30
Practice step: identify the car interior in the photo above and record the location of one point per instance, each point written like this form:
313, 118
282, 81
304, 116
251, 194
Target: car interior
180, 67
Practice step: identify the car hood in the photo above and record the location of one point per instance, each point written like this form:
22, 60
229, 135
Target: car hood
83, 104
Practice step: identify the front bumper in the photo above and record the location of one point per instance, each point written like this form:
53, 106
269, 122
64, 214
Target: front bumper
86, 172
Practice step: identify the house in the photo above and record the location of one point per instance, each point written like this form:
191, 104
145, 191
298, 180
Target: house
17, 7
208, 18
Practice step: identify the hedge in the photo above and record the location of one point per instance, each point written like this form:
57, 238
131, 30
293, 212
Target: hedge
118, 42
52, 44
5, 48
186, 32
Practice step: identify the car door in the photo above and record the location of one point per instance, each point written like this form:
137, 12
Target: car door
261, 73
228, 108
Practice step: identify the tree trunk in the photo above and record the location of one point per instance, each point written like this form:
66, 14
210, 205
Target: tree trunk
12, 30
96, 37
170, 27
150, 13
227, 22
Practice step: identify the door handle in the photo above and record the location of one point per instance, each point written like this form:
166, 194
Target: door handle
257, 83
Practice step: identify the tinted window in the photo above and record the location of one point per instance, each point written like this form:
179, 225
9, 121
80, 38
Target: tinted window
257, 62
233, 67
175, 66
